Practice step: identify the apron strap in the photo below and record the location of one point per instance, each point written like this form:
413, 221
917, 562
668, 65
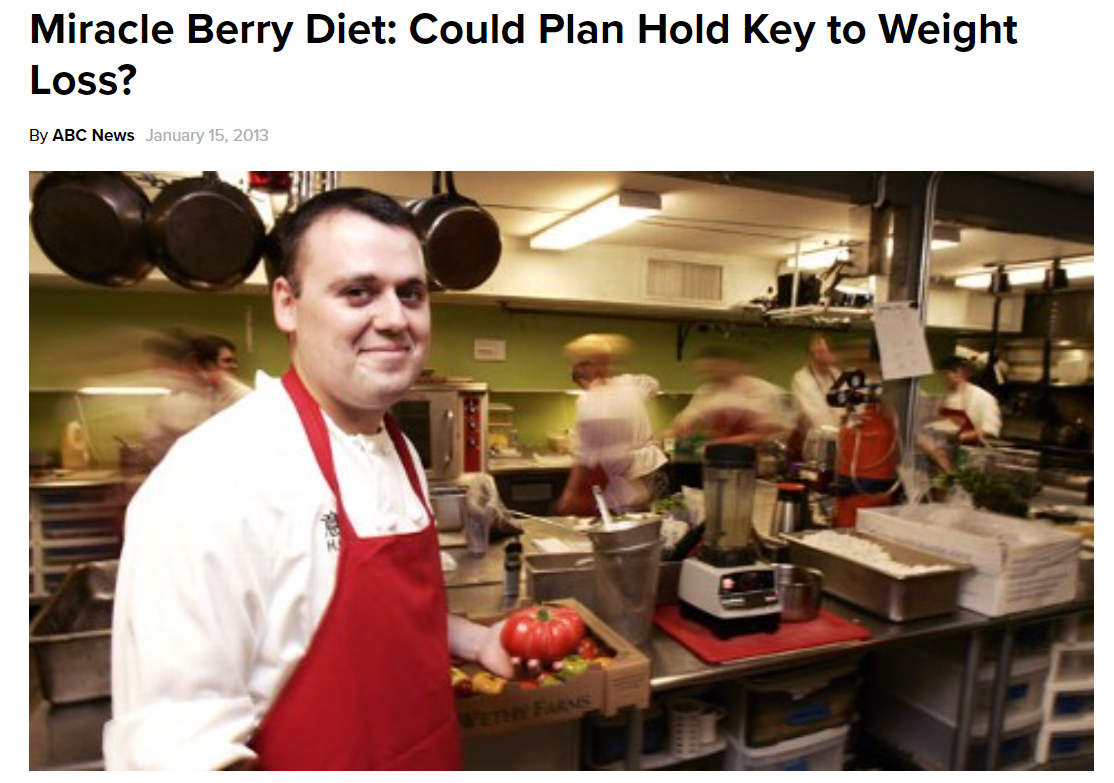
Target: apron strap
318, 433
403, 450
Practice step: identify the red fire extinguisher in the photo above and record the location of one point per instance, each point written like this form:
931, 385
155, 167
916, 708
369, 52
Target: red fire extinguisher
866, 472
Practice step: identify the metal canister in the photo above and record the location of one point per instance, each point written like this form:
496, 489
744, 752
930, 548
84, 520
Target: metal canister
627, 559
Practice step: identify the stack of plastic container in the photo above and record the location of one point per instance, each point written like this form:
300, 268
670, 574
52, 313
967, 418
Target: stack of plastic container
1069, 700
915, 703
792, 721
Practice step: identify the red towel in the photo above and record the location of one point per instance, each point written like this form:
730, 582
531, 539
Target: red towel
825, 629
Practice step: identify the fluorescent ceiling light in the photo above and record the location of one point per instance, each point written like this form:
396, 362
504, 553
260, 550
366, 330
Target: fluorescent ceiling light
1080, 269
1027, 275
604, 217
980, 280
124, 390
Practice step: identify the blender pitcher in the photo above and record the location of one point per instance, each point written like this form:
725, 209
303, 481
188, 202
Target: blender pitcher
729, 483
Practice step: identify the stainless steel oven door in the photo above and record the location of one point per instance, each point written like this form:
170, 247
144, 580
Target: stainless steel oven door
431, 419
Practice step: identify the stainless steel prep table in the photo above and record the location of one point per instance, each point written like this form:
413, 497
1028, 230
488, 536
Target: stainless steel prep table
673, 666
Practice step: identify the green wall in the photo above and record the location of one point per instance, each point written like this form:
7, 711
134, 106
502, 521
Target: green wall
87, 336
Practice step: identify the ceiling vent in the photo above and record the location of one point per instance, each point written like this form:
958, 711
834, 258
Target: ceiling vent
684, 280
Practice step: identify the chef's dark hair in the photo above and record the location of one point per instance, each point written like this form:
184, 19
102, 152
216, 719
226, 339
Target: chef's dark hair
283, 243
958, 364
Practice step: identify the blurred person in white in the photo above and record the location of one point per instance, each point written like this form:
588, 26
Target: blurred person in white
280, 602
614, 439
973, 409
811, 384
188, 402
732, 404
216, 356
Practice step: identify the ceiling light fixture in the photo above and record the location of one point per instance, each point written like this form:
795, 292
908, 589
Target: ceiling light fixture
604, 217
1029, 275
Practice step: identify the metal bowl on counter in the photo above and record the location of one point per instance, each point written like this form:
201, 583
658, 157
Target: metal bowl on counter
799, 590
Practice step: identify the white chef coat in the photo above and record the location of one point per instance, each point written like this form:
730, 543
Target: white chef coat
228, 565
980, 406
745, 398
613, 431
810, 389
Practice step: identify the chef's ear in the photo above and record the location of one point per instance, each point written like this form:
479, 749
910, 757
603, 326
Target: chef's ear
285, 305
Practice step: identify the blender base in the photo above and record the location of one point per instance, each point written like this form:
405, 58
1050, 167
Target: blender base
728, 627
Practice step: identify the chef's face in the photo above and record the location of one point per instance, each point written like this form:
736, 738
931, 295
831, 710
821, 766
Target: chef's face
360, 322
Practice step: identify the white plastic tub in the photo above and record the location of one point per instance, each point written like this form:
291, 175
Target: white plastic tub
822, 751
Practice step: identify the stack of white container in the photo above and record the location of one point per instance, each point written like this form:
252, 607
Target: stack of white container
1069, 700
792, 721
915, 694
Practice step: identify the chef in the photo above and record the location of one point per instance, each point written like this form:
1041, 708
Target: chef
614, 439
731, 404
280, 603
973, 409
811, 384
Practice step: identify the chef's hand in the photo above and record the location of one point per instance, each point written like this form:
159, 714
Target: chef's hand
492, 656
481, 644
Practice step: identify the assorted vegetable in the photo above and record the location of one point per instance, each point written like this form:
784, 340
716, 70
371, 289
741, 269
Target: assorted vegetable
549, 645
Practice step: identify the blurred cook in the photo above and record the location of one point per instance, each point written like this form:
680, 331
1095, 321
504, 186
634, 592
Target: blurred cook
973, 409
811, 384
614, 439
280, 602
732, 404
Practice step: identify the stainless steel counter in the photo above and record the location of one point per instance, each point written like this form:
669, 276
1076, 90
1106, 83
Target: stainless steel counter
476, 592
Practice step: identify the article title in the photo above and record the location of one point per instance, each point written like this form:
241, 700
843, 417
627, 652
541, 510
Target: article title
752, 29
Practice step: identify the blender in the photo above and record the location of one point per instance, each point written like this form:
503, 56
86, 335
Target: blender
727, 587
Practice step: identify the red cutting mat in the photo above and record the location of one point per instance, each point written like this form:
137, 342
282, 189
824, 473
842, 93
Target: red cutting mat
825, 629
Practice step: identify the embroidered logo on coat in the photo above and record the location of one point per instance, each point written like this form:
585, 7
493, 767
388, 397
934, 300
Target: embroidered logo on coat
332, 531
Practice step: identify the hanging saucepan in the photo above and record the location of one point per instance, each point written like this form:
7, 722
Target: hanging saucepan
205, 234
90, 224
461, 239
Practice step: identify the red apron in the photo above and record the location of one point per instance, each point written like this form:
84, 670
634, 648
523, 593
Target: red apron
960, 418
373, 690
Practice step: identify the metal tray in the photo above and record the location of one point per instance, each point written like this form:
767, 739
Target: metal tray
554, 575
71, 635
897, 598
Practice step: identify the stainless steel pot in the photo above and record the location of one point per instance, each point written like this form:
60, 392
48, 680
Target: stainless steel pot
799, 589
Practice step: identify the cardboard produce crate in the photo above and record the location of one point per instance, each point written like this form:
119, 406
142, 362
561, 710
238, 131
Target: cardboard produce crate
625, 683
1017, 564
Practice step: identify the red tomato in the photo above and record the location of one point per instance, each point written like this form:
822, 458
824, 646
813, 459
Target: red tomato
546, 633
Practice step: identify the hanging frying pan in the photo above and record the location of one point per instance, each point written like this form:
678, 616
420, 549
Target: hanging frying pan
90, 224
461, 240
205, 234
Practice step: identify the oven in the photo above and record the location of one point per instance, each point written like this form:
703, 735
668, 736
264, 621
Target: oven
447, 423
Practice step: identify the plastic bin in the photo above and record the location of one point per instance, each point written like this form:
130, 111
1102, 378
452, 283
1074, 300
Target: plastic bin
1066, 742
938, 683
820, 751
1071, 704
771, 709
1073, 662
927, 738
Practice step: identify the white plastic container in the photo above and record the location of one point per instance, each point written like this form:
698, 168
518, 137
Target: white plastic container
933, 680
822, 751
1065, 741
927, 737
1017, 564
1073, 662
